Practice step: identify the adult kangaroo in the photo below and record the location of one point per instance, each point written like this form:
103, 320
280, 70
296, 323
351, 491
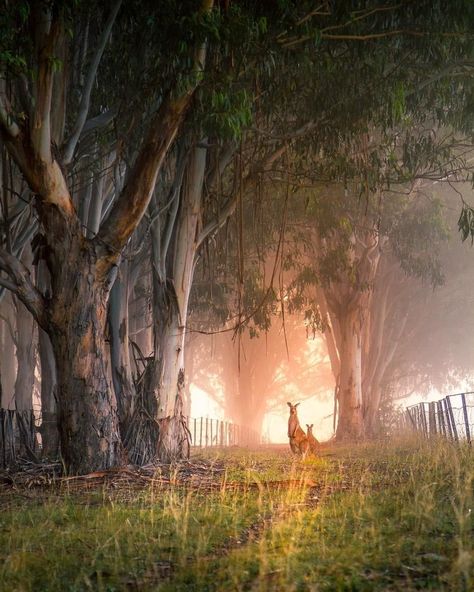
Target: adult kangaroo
298, 440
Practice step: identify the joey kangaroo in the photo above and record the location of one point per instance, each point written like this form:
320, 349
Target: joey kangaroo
298, 440
312, 441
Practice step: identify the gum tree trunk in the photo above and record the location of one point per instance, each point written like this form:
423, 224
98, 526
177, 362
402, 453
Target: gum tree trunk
75, 320
119, 348
25, 351
350, 421
49, 418
74, 313
87, 409
7, 354
170, 341
159, 430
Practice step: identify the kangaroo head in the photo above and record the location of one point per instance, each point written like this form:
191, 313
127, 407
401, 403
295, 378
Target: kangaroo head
309, 428
293, 409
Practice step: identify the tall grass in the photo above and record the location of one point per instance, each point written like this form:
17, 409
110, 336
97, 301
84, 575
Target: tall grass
375, 517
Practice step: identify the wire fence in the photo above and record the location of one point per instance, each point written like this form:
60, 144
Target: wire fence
20, 434
206, 432
451, 417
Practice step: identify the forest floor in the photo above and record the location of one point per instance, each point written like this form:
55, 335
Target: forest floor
374, 517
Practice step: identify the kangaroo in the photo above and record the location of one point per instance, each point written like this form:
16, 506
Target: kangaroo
312, 441
298, 440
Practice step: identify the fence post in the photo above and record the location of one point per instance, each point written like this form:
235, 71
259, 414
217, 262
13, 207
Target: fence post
451, 416
466, 418
432, 417
419, 419
449, 429
424, 421
439, 405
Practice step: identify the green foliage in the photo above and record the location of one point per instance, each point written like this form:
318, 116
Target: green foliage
466, 223
228, 114
13, 18
416, 238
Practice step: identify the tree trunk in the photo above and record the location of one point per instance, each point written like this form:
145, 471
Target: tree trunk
350, 423
173, 251
170, 342
25, 351
87, 408
119, 350
49, 419
7, 351
48, 392
26, 359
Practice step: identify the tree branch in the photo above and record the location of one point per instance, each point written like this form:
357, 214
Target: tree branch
20, 284
71, 143
47, 32
133, 201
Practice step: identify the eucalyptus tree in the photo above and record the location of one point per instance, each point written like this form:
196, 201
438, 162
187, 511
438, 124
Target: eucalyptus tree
59, 63
41, 129
426, 341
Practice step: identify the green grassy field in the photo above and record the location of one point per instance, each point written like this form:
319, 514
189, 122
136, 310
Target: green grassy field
373, 517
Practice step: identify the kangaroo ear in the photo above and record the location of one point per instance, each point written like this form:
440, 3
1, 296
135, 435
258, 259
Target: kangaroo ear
289, 404
311, 425
296, 404
308, 426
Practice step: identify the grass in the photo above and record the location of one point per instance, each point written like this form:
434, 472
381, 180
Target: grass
377, 517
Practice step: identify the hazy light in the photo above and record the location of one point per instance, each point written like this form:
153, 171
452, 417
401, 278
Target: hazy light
203, 405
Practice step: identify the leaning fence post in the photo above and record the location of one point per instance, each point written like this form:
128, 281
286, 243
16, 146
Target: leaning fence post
466, 418
451, 416
439, 405
424, 421
449, 429
419, 419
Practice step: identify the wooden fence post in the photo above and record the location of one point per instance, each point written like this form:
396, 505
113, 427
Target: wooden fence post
451, 416
432, 418
466, 417
449, 429
441, 423
424, 420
